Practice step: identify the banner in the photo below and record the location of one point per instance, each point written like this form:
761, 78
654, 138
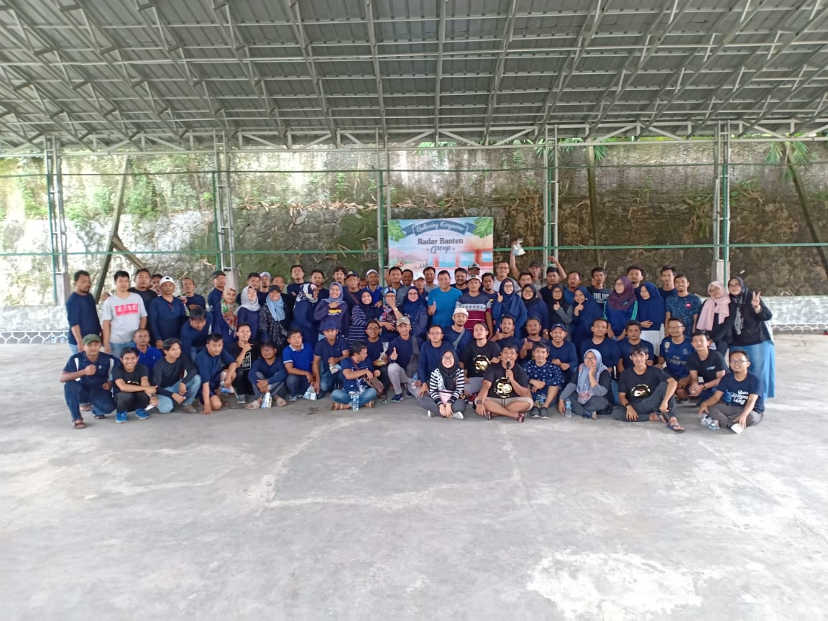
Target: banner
444, 243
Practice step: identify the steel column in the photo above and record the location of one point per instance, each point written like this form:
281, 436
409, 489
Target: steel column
555, 194
547, 218
726, 201
57, 221
717, 267
224, 205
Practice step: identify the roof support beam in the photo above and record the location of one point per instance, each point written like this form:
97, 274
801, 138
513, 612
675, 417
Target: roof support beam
234, 38
294, 14
165, 37
372, 39
494, 87
442, 7
791, 95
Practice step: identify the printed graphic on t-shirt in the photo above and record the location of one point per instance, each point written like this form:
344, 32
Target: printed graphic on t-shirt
130, 308
640, 391
503, 388
481, 363
740, 397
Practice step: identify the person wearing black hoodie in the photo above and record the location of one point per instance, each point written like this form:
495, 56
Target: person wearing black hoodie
751, 334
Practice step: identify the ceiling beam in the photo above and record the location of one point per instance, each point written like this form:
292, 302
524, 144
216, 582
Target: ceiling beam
802, 85
494, 87
294, 14
372, 39
234, 38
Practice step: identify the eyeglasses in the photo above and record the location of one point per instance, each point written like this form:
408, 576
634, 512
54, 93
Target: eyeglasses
738, 361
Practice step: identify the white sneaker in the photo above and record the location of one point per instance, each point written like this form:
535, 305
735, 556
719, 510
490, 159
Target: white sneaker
430, 413
457, 415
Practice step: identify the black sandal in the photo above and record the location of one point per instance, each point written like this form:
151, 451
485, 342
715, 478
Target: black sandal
79, 424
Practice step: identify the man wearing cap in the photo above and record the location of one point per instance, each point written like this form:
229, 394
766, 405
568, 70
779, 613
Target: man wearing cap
85, 379
456, 335
264, 282
372, 276
214, 297
351, 292
167, 313
474, 270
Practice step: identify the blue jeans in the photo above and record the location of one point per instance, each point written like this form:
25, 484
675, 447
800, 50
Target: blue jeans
276, 386
367, 395
166, 404
117, 348
328, 380
75, 394
296, 385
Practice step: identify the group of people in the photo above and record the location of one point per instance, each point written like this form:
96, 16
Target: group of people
501, 344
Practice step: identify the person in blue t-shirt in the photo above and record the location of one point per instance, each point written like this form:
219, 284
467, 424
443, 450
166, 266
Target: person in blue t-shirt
684, 305
456, 334
431, 352
632, 340
328, 353
85, 379
674, 352
562, 352
189, 296
505, 334
533, 338
81, 312
166, 313
194, 333
610, 354
216, 368
147, 354
442, 301
736, 399
298, 359
545, 380
358, 376
401, 362
268, 375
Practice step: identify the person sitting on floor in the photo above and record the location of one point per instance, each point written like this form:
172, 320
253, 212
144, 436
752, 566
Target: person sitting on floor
328, 354
675, 351
592, 389
147, 354
445, 387
646, 393
736, 403
706, 367
477, 357
85, 379
545, 380
217, 370
194, 333
245, 352
505, 390
268, 375
177, 379
357, 377
132, 387
298, 359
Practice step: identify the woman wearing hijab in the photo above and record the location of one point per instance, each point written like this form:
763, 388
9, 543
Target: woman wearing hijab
303, 309
560, 311
591, 389
361, 313
751, 334
225, 320
445, 385
651, 313
248, 312
621, 306
508, 302
273, 318
585, 310
715, 316
535, 307
333, 309
415, 309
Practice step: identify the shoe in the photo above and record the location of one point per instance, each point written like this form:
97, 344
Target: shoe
430, 414
189, 409
242, 399
457, 415
521, 418
100, 416
292, 398
534, 412
544, 412
141, 414
120, 417
397, 398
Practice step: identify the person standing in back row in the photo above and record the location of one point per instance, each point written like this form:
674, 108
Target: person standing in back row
81, 312
123, 313
441, 302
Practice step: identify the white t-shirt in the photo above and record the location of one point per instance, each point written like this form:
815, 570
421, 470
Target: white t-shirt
125, 315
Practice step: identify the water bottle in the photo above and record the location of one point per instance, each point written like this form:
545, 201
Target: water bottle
568, 408
267, 400
354, 401
335, 368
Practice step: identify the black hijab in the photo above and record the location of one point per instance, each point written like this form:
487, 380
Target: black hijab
449, 373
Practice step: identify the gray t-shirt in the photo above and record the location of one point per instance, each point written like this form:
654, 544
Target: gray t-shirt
125, 315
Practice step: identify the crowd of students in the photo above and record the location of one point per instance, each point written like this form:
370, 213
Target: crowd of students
498, 344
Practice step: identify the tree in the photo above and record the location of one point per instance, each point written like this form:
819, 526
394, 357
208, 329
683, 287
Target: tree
793, 155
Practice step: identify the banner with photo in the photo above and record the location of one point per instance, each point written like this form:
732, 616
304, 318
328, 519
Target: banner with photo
444, 243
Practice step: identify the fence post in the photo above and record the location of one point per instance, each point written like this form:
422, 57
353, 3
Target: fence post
717, 267
555, 195
726, 203
547, 218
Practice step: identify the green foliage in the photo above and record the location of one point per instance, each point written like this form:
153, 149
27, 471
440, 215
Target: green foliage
141, 198
395, 232
793, 153
483, 227
82, 211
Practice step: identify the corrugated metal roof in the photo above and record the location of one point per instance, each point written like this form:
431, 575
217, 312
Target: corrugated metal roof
99, 73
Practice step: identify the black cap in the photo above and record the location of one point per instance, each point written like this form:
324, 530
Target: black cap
218, 273
274, 288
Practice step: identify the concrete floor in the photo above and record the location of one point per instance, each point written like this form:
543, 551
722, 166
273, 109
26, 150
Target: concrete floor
387, 514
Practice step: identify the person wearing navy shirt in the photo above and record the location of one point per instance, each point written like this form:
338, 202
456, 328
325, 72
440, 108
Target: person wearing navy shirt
442, 301
668, 282
254, 281
632, 340
166, 313
298, 359
736, 399
706, 367
329, 352
377, 355
211, 362
431, 352
297, 280
545, 381
456, 334
189, 295
85, 379
596, 287
214, 297
194, 333
358, 374
646, 393
610, 354
401, 365
143, 287
505, 334
683, 305
675, 350
147, 354
81, 312
562, 352
268, 375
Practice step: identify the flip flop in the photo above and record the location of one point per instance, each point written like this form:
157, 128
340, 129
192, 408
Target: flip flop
79, 424
676, 426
